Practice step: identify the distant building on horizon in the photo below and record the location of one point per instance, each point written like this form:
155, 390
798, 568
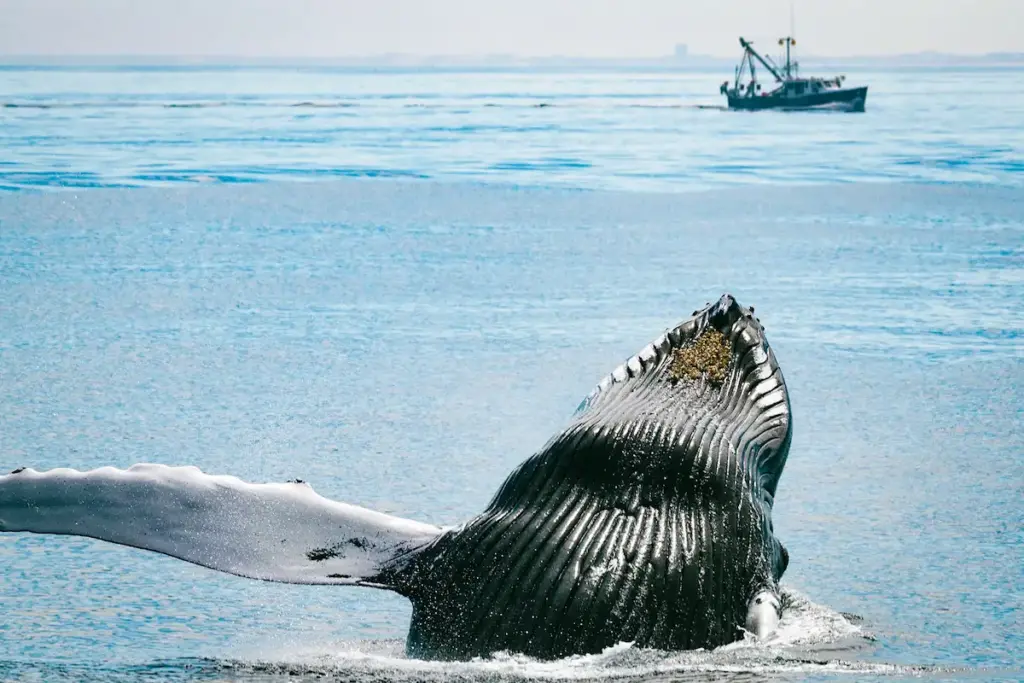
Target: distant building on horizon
681, 51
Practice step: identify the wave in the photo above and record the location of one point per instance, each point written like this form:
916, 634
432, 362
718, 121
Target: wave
552, 163
407, 101
15, 180
812, 640
187, 104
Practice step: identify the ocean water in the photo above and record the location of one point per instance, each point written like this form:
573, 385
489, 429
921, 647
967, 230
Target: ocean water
625, 129
190, 274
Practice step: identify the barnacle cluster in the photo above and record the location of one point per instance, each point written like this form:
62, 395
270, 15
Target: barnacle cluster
707, 356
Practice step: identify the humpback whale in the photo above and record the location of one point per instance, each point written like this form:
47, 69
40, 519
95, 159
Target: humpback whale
647, 519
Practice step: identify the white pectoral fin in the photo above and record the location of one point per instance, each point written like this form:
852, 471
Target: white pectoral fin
272, 532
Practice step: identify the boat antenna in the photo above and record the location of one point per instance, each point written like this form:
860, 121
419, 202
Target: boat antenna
790, 41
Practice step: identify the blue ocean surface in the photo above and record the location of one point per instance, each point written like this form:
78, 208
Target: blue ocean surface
466, 255
613, 129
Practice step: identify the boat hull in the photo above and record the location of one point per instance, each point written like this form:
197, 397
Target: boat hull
851, 99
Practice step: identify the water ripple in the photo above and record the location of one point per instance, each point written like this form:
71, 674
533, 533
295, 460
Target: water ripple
96, 127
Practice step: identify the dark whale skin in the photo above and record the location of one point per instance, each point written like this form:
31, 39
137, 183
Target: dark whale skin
647, 520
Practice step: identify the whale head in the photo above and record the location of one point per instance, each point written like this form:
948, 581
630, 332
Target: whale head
712, 376
647, 519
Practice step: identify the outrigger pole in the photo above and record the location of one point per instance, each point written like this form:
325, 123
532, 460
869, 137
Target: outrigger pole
750, 50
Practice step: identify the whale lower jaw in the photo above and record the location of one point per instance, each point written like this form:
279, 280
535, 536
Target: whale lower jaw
672, 578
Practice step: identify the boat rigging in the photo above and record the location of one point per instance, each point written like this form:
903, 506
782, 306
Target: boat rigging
792, 91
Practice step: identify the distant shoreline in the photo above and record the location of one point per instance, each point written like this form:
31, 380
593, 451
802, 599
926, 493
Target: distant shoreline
505, 62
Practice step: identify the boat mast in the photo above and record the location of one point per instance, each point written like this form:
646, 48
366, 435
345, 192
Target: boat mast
788, 41
751, 51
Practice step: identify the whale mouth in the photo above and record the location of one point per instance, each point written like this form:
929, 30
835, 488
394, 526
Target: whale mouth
700, 350
647, 519
710, 382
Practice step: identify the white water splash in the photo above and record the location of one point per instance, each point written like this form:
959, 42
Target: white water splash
811, 639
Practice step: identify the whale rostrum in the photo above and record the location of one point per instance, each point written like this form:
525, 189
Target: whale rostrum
648, 519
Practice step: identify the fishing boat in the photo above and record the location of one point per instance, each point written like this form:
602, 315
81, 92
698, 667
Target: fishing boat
790, 90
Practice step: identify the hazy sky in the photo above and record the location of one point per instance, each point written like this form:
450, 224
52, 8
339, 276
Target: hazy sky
598, 28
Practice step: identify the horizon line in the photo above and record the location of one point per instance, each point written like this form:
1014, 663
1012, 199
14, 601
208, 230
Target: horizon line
492, 57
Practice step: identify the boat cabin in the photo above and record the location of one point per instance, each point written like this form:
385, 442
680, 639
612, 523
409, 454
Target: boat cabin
798, 87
